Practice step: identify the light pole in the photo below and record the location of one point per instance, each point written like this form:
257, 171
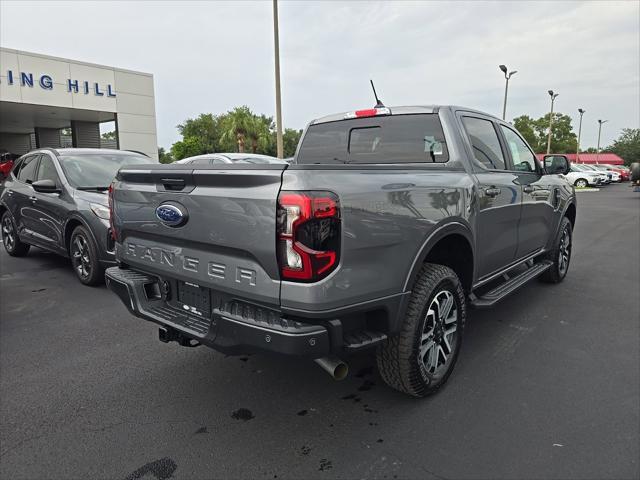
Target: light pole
600, 122
276, 41
581, 112
553, 97
506, 87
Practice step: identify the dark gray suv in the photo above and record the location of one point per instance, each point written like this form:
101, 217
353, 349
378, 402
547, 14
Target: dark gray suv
56, 199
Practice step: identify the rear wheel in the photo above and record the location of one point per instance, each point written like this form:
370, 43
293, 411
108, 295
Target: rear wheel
420, 358
560, 256
84, 257
581, 182
10, 239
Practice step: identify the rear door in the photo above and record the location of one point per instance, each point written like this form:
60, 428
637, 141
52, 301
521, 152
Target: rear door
499, 196
540, 197
227, 238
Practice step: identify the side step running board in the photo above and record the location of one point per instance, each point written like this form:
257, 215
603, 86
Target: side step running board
501, 291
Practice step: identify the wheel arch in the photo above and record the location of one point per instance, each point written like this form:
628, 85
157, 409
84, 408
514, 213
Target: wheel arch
450, 244
70, 225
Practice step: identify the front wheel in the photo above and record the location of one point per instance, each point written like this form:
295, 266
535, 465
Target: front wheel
560, 255
419, 359
10, 239
84, 257
581, 183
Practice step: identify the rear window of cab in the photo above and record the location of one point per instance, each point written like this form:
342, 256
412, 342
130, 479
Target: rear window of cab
416, 138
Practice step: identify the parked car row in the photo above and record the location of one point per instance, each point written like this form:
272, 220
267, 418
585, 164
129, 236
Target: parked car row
583, 175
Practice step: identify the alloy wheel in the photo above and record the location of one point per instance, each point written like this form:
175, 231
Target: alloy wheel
581, 183
439, 338
80, 255
8, 233
564, 252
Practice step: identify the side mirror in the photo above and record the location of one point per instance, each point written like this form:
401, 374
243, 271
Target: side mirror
46, 186
557, 164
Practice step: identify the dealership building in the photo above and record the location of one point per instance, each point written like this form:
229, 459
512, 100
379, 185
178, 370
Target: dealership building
55, 102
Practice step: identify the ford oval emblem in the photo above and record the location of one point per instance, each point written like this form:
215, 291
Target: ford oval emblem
171, 215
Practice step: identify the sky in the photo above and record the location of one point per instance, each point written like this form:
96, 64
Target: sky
213, 56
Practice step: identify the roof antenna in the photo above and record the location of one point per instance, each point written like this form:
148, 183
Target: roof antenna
379, 104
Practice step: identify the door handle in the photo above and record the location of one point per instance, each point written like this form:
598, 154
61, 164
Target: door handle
33, 199
492, 191
528, 189
9, 192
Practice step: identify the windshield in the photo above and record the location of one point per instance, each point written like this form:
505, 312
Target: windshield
97, 170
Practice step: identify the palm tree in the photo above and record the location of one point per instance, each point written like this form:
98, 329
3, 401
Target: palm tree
260, 133
237, 124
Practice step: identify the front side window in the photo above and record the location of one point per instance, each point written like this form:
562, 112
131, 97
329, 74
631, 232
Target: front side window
97, 170
485, 143
388, 139
27, 173
523, 159
47, 170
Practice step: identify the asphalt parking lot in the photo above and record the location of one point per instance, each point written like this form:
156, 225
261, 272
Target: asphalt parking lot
547, 385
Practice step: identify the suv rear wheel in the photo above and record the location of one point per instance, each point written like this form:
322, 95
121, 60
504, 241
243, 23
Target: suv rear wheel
84, 257
10, 239
419, 359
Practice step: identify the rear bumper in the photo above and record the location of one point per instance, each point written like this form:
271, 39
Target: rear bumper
240, 330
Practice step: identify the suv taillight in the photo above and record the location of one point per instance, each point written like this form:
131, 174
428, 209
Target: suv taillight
308, 235
114, 233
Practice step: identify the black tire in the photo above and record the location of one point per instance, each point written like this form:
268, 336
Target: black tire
560, 255
635, 172
402, 359
10, 239
84, 257
581, 182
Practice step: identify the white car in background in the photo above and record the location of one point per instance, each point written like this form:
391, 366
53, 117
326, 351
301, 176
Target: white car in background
592, 168
615, 176
584, 177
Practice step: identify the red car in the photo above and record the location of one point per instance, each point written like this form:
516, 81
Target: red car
6, 164
624, 173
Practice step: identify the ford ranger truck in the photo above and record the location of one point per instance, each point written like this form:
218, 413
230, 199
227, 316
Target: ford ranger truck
386, 226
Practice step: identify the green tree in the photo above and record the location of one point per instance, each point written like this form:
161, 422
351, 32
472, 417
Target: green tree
535, 132
627, 145
526, 126
109, 135
164, 156
205, 128
290, 139
188, 147
236, 125
260, 133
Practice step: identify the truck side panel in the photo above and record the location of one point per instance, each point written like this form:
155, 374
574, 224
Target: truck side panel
387, 214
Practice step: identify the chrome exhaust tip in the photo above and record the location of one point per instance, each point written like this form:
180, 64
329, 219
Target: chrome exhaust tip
334, 367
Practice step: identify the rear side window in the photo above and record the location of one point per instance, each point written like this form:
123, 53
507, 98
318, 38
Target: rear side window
27, 173
388, 139
485, 143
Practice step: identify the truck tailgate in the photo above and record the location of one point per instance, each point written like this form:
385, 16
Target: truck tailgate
227, 239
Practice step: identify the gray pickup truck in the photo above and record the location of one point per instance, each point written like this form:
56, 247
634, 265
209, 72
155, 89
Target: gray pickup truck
386, 226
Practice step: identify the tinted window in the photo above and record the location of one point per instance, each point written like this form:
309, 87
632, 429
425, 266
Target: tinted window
47, 170
97, 170
485, 143
523, 159
27, 171
388, 139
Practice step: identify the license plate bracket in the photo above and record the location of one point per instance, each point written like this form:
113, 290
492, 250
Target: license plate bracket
194, 299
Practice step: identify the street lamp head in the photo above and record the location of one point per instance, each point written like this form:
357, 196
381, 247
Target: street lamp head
513, 73
551, 93
503, 68
581, 111
602, 121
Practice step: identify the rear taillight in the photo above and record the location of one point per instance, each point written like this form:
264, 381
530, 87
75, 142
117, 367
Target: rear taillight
308, 235
114, 233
